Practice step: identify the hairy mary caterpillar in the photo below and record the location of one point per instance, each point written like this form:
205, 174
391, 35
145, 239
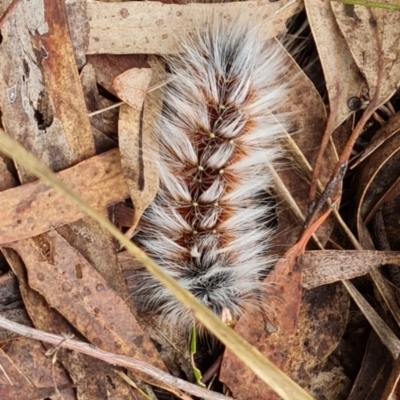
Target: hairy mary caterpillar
217, 137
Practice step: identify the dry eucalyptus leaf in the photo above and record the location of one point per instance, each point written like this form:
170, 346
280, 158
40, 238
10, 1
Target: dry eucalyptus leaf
378, 177
388, 338
131, 86
322, 322
59, 106
138, 145
373, 37
273, 340
81, 368
91, 95
34, 208
378, 173
58, 272
25, 363
328, 266
388, 130
342, 76
27, 392
6, 179
307, 118
374, 373
153, 27
17, 314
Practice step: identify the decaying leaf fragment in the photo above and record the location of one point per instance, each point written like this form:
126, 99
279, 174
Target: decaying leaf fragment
373, 37
137, 141
62, 275
19, 378
342, 76
379, 172
80, 367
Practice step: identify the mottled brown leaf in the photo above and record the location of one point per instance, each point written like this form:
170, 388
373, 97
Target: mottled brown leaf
28, 359
92, 377
71, 285
342, 76
34, 208
138, 146
328, 266
9, 392
373, 37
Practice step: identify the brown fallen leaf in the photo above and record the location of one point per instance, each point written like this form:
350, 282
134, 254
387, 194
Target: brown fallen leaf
178, 385
28, 369
34, 208
392, 383
101, 315
342, 76
374, 372
92, 377
322, 322
390, 129
138, 145
17, 314
6, 179
300, 145
379, 173
103, 139
132, 86
153, 27
74, 120
28, 365
382, 329
373, 38
275, 335
274, 339
108, 66
28, 108
62, 275
328, 266
122, 214
377, 183
10, 392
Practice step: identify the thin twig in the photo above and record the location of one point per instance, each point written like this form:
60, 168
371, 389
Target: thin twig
334, 182
320, 155
114, 359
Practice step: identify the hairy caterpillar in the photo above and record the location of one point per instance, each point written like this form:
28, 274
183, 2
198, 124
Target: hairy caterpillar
217, 136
